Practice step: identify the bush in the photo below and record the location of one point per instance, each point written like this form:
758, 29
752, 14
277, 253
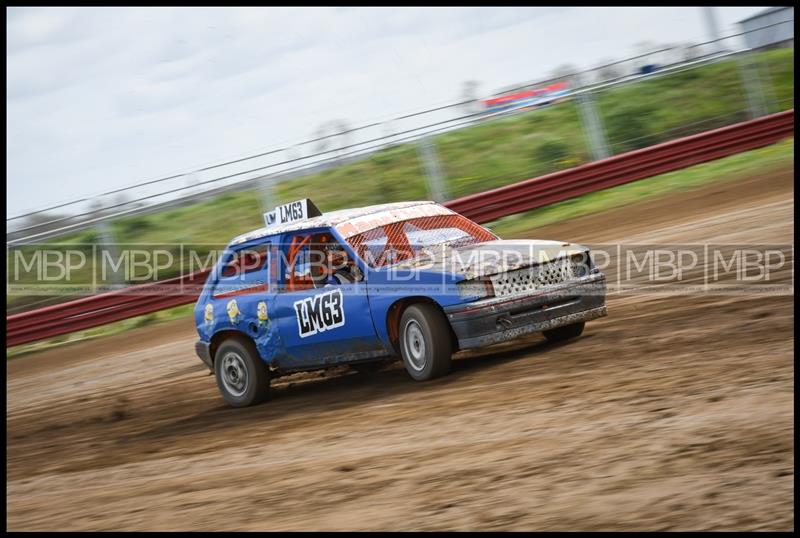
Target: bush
133, 226
552, 154
629, 127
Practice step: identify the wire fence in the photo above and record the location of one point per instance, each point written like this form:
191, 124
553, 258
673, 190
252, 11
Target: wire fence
614, 125
331, 149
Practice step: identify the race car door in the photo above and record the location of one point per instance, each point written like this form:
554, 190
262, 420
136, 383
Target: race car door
321, 322
241, 299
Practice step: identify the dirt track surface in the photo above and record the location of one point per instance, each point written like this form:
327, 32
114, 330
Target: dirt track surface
670, 413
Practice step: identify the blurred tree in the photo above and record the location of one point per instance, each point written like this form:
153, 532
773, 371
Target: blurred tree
691, 51
645, 47
569, 73
564, 70
608, 72
333, 136
37, 220
95, 209
122, 200
649, 48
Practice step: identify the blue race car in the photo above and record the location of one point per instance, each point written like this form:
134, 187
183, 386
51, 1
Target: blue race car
412, 281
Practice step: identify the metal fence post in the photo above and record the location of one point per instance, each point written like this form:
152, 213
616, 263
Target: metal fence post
762, 69
107, 243
267, 194
268, 183
388, 133
752, 85
710, 18
433, 171
592, 125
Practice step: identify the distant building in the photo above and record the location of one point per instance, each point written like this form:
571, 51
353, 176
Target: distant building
527, 98
771, 34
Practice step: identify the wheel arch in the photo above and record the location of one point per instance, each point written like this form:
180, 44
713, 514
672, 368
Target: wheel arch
229, 334
395, 313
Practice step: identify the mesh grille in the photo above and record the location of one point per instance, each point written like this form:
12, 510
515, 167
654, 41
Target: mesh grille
537, 277
391, 243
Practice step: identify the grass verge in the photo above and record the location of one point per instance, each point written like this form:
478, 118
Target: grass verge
732, 168
170, 314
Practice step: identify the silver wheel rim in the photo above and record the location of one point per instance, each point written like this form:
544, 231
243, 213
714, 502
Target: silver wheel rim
234, 374
415, 345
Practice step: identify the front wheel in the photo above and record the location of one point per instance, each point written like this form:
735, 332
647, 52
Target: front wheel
425, 343
242, 377
564, 333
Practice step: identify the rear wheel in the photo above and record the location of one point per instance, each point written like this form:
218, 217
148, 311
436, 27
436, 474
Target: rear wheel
242, 377
425, 343
565, 333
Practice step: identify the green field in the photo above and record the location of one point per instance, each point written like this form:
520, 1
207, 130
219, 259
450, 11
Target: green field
481, 157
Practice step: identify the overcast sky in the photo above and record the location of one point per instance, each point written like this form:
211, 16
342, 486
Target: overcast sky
103, 98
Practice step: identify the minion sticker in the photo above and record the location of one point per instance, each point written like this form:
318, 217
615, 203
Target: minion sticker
233, 311
263, 318
209, 316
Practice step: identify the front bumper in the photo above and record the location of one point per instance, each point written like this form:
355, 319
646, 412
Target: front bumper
499, 319
203, 350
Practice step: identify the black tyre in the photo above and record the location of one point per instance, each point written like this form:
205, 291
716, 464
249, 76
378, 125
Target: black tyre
242, 377
425, 343
564, 333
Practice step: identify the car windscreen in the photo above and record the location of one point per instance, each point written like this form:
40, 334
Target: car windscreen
403, 240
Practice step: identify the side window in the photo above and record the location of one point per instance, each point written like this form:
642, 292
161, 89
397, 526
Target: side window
304, 257
245, 268
314, 260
